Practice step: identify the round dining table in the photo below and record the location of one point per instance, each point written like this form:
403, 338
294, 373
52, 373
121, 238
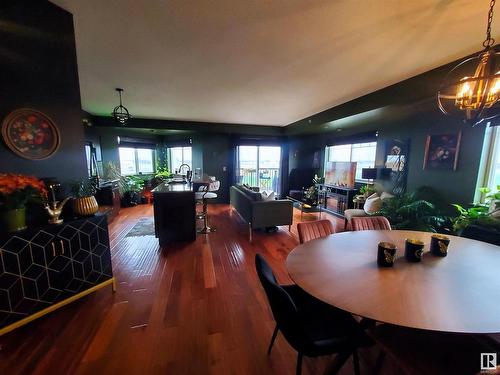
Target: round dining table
458, 293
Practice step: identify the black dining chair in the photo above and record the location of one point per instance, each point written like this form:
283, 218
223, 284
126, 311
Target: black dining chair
313, 328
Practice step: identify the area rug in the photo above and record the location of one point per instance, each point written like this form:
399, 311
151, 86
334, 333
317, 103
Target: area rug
144, 227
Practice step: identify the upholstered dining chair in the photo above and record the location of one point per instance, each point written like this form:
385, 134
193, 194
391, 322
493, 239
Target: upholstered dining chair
370, 223
313, 328
311, 230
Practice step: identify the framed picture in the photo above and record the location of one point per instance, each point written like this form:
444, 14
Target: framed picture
30, 134
441, 151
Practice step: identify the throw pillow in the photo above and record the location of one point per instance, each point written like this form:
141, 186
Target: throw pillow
385, 195
373, 204
267, 195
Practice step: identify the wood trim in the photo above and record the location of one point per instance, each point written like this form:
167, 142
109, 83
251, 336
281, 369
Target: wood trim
56, 306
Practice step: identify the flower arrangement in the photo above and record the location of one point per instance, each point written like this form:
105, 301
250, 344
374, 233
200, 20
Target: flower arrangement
17, 190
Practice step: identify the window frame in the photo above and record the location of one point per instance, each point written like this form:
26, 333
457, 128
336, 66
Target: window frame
491, 150
372, 144
136, 161
170, 159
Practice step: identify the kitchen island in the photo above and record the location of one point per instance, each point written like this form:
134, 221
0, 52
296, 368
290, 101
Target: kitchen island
174, 212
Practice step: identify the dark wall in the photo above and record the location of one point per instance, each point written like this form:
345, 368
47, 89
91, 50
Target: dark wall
458, 186
422, 118
38, 70
212, 152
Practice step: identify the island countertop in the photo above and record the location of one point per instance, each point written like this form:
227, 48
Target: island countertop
172, 187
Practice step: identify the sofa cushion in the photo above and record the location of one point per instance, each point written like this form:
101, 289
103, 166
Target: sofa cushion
250, 193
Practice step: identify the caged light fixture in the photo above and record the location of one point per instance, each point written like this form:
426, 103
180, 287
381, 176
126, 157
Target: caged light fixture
120, 113
471, 89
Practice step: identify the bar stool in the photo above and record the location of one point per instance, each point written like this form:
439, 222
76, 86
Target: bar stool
203, 195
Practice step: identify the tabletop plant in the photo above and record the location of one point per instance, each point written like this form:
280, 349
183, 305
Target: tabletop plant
84, 202
311, 193
16, 191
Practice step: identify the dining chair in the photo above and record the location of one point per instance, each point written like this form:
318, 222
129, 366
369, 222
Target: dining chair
313, 328
311, 230
370, 223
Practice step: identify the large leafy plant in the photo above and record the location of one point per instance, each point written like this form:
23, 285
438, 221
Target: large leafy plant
134, 184
112, 173
406, 211
484, 214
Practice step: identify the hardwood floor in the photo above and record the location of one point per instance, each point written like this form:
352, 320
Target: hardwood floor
194, 308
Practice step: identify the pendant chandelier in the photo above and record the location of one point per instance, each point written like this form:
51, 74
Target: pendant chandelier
120, 113
471, 89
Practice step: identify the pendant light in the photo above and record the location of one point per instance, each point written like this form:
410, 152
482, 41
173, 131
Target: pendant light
471, 89
120, 113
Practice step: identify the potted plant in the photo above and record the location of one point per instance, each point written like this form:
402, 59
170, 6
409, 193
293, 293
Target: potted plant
311, 193
84, 202
15, 192
132, 197
482, 220
367, 190
407, 211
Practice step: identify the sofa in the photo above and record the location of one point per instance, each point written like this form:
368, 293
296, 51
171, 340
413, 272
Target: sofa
259, 213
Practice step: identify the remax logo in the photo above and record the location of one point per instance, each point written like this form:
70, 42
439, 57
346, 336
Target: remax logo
488, 361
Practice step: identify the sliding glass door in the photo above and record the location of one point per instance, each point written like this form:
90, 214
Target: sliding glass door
259, 166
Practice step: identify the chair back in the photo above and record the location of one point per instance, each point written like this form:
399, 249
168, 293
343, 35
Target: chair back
370, 223
214, 186
311, 230
282, 305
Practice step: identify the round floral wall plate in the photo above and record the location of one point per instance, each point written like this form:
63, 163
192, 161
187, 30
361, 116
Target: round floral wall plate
30, 134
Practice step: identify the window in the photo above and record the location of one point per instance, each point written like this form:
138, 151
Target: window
490, 161
136, 160
259, 166
362, 153
178, 156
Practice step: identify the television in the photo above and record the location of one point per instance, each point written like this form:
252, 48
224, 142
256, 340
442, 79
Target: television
340, 173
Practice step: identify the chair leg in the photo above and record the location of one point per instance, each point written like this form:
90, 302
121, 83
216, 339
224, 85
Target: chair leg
338, 363
345, 224
273, 338
379, 362
355, 360
298, 370
289, 228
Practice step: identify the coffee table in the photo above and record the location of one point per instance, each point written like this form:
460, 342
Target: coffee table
305, 207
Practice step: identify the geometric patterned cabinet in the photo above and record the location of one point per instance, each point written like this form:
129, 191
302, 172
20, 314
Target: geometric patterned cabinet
44, 268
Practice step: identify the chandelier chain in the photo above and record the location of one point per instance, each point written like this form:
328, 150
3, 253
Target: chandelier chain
489, 41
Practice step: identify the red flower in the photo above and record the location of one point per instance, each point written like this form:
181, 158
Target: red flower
32, 119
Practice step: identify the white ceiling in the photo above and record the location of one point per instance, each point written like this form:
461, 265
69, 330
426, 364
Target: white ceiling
263, 62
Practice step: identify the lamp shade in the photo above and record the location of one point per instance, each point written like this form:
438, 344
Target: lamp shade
369, 173
384, 173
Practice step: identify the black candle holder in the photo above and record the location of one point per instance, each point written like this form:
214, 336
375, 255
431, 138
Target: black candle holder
439, 245
386, 254
414, 250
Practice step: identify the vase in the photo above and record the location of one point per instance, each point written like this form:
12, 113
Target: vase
86, 206
15, 219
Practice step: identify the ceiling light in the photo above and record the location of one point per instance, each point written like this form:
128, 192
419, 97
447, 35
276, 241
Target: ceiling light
120, 113
471, 89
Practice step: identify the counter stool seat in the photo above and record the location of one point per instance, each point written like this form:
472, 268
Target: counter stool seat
199, 195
